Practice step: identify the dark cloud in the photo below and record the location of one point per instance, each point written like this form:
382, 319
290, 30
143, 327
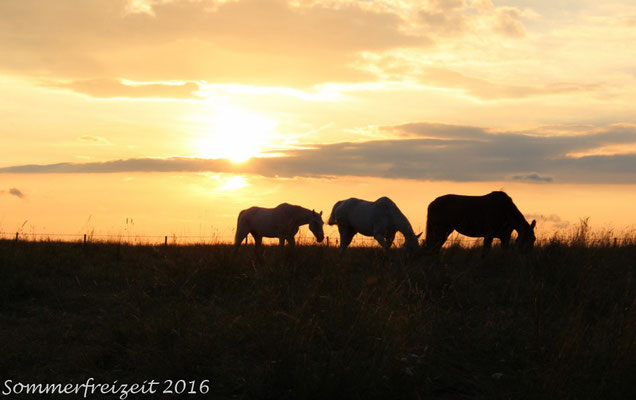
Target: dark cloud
439, 131
532, 178
14, 192
174, 164
427, 152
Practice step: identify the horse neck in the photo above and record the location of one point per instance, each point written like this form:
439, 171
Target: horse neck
402, 224
302, 215
518, 218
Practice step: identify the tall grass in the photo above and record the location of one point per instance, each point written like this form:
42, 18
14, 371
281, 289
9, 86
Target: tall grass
559, 322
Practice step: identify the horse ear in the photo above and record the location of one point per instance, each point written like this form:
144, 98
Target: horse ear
320, 213
533, 224
418, 235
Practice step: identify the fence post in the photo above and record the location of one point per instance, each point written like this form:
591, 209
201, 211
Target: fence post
165, 241
327, 241
16, 236
84, 238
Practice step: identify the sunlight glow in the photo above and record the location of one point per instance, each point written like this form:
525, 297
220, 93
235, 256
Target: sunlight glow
233, 184
235, 134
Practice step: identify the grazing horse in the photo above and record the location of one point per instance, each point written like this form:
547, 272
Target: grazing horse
490, 216
281, 222
380, 219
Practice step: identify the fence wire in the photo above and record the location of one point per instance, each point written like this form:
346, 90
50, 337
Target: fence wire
359, 240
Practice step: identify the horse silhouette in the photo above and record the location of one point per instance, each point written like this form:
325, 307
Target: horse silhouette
490, 216
280, 222
380, 219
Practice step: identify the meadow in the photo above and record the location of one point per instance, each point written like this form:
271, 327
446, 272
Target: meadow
559, 322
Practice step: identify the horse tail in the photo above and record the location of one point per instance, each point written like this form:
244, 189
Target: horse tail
332, 217
238, 234
436, 225
239, 216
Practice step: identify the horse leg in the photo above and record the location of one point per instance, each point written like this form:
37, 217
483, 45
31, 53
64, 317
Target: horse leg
291, 241
390, 237
435, 240
436, 235
487, 245
380, 238
345, 239
241, 234
505, 241
258, 240
281, 242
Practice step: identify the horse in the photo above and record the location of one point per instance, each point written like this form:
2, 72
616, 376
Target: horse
490, 216
280, 222
380, 219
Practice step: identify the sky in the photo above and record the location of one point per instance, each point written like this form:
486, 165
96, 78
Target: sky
167, 117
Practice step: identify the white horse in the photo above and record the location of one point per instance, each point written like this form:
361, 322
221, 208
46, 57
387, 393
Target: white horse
281, 222
380, 219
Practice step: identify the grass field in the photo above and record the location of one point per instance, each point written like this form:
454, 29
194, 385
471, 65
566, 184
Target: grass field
557, 323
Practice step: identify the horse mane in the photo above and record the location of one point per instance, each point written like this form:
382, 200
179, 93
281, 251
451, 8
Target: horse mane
298, 213
403, 224
515, 213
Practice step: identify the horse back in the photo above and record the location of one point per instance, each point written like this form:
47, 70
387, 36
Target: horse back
353, 213
475, 216
258, 219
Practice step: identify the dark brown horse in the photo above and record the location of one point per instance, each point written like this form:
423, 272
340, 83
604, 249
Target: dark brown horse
491, 216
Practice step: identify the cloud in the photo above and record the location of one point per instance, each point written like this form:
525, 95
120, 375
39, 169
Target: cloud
111, 88
438, 131
508, 22
90, 45
447, 78
265, 42
554, 220
14, 192
484, 89
93, 139
533, 177
173, 164
457, 18
422, 151
445, 18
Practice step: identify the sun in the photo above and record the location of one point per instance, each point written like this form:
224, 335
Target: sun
235, 134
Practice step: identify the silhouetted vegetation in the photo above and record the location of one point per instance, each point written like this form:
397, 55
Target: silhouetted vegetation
559, 322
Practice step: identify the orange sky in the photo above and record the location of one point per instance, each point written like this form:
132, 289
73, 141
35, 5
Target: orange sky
179, 113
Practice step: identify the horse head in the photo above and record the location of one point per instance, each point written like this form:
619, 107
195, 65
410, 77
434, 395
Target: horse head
315, 226
412, 243
526, 236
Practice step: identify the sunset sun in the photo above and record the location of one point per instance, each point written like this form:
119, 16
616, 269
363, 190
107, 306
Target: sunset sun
234, 134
